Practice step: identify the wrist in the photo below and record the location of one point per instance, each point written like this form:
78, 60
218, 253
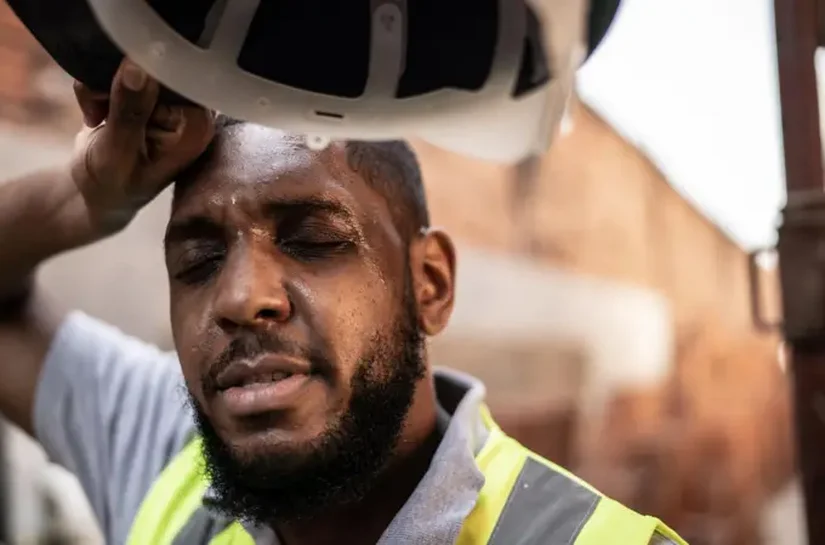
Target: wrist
108, 221
91, 213
76, 220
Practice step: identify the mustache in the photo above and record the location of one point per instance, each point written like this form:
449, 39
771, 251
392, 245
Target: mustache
254, 345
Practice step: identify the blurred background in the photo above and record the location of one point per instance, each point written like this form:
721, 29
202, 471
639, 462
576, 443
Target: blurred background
604, 289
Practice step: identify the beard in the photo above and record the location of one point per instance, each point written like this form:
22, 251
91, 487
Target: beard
341, 465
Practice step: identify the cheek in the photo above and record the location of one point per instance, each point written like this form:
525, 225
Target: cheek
353, 313
191, 335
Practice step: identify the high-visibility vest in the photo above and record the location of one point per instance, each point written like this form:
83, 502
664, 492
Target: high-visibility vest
524, 499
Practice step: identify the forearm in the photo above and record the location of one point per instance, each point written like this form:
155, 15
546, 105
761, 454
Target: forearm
41, 215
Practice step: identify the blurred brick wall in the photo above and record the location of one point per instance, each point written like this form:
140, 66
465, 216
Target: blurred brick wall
25, 69
600, 207
19, 59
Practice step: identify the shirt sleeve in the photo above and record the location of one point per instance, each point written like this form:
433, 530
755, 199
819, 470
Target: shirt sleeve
112, 410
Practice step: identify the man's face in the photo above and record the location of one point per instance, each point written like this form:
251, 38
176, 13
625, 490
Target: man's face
295, 322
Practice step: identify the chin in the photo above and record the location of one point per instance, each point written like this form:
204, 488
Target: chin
275, 443
248, 443
271, 428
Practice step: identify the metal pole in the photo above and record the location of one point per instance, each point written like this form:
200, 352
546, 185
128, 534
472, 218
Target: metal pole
5, 489
802, 247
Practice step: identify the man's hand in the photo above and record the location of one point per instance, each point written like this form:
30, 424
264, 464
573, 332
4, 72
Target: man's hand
132, 147
131, 151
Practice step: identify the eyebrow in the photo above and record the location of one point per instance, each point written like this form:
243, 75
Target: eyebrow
196, 227
306, 206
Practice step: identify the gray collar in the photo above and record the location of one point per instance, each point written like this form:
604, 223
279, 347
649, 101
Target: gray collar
435, 512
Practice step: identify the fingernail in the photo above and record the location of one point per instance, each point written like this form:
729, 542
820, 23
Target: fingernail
133, 77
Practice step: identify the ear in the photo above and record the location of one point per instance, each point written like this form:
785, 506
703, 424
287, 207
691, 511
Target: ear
433, 269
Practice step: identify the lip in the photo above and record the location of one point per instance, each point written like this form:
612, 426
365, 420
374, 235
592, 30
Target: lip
261, 371
266, 384
261, 398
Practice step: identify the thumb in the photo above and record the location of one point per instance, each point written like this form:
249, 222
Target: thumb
133, 98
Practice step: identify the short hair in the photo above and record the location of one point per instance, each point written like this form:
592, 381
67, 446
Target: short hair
389, 167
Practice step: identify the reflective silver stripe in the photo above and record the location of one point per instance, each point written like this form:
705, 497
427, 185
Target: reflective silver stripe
201, 528
658, 539
545, 507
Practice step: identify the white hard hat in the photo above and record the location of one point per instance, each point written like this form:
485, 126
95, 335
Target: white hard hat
486, 78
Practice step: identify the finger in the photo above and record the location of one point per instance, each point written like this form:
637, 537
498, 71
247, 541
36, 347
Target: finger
159, 143
174, 153
81, 139
93, 104
166, 118
133, 99
164, 131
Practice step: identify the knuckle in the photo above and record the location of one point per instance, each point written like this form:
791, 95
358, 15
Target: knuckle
81, 138
130, 115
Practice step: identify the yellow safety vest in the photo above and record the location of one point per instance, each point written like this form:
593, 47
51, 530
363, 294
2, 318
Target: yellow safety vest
512, 507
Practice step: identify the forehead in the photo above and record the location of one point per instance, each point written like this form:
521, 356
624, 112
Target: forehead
250, 163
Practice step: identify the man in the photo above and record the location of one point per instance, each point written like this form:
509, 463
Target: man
302, 286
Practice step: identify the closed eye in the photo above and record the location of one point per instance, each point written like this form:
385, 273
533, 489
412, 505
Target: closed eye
197, 266
311, 250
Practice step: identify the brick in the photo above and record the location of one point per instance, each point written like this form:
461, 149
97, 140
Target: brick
15, 74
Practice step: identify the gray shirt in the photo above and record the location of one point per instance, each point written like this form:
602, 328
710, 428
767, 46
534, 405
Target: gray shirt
113, 410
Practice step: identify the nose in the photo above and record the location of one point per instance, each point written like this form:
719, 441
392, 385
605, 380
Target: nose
251, 292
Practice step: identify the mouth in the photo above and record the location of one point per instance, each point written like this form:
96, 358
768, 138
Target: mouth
267, 384
266, 369
256, 380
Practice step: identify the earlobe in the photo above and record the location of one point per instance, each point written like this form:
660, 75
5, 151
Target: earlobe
436, 281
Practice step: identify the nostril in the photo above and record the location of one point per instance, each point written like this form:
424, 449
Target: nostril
267, 314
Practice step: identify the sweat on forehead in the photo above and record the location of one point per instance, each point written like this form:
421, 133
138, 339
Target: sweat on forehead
389, 167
